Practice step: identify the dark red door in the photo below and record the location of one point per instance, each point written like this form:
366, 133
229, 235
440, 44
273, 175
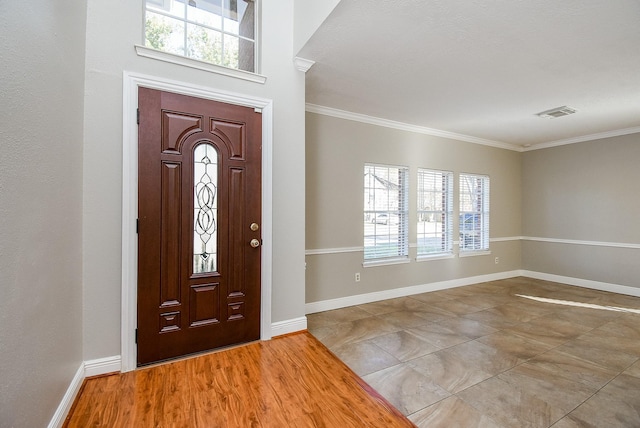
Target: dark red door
199, 208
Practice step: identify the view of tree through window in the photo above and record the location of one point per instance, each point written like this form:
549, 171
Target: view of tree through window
386, 212
221, 32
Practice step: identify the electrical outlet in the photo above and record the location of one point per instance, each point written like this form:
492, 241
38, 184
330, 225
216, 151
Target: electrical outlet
357, 276
497, 260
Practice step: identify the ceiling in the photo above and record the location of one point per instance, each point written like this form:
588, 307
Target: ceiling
480, 70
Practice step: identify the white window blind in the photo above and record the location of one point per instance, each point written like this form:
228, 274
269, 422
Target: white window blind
474, 212
386, 212
435, 212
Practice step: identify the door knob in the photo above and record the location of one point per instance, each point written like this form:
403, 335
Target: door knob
255, 243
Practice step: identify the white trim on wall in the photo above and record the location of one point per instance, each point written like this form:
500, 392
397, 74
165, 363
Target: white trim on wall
579, 242
131, 83
371, 120
288, 326
359, 299
67, 400
102, 366
198, 65
340, 250
584, 138
584, 283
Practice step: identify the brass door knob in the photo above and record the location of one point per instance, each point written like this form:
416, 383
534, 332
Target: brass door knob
255, 243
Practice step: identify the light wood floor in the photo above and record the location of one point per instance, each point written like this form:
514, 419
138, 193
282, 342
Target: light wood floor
291, 381
513, 353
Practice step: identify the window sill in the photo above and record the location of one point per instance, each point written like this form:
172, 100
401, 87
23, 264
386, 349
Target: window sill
385, 262
200, 65
474, 253
435, 257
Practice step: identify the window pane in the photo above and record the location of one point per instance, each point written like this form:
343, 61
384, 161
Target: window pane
474, 212
385, 212
230, 51
204, 44
205, 204
167, 7
164, 33
206, 12
434, 209
221, 32
246, 56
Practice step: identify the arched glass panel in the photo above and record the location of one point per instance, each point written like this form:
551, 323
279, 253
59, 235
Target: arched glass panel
205, 204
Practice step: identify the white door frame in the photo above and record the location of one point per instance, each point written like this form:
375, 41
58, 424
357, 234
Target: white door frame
131, 83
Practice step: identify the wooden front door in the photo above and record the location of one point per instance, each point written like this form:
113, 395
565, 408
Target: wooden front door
199, 208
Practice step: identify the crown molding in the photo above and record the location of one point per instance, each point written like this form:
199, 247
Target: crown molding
584, 138
303, 64
357, 117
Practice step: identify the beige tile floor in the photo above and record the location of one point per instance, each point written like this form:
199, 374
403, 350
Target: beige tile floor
490, 355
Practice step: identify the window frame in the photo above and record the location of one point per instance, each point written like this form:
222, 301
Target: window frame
374, 206
479, 217
193, 62
446, 213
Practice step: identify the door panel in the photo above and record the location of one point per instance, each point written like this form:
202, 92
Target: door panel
199, 178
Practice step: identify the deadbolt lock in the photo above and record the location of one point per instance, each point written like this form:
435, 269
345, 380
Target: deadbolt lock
254, 227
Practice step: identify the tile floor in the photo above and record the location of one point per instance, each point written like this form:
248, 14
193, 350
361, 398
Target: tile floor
513, 353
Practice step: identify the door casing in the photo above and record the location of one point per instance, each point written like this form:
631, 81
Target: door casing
131, 83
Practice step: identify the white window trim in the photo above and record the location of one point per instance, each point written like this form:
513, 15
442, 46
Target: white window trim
199, 65
438, 256
472, 253
386, 262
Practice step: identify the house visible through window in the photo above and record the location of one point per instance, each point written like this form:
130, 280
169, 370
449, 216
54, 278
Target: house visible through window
435, 212
474, 212
386, 212
221, 32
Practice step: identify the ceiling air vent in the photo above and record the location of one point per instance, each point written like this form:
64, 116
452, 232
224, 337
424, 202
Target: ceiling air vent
557, 112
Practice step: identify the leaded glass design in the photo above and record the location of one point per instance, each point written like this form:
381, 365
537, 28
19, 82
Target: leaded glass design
205, 204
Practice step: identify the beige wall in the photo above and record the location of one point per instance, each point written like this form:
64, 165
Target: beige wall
585, 192
110, 51
41, 90
337, 150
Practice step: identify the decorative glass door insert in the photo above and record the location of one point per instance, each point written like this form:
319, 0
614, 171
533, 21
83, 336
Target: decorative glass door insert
205, 202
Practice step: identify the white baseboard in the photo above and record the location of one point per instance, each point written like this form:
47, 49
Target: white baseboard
359, 299
102, 366
67, 401
585, 283
288, 326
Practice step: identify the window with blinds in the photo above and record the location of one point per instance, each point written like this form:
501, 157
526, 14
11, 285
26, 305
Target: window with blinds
474, 212
435, 212
386, 212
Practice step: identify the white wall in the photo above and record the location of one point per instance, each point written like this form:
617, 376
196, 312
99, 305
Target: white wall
41, 88
113, 28
309, 15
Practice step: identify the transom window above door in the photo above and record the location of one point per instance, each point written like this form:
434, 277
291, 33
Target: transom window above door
221, 32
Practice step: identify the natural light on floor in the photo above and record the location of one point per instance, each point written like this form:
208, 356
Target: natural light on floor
580, 304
